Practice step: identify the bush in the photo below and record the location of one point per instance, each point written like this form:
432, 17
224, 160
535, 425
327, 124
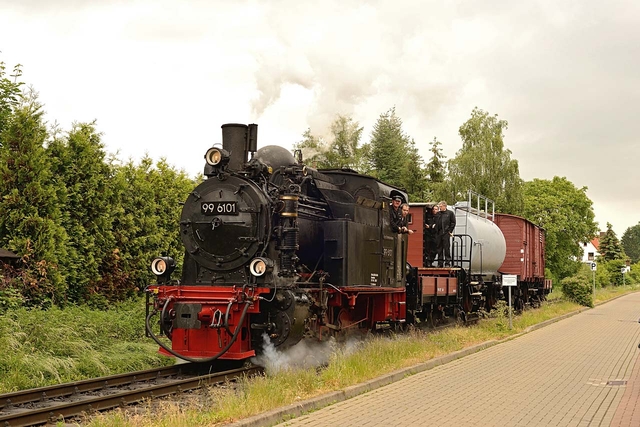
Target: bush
613, 268
10, 298
633, 276
578, 290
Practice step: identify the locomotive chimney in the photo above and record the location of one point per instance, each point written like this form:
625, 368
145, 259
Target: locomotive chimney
252, 139
234, 140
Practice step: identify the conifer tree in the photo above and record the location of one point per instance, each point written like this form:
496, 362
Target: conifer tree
394, 158
610, 248
436, 172
29, 210
78, 161
9, 92
388, 148
146, 221
414, 177
436, 167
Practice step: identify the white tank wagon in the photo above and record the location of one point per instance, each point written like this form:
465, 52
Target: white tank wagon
478, 240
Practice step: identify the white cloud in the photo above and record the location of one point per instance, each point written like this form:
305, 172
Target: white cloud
162, 76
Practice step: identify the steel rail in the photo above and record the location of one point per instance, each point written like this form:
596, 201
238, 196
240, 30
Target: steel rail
52, 410
68, 389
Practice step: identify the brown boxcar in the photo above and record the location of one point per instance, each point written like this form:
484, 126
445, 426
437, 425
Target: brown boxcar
525, 251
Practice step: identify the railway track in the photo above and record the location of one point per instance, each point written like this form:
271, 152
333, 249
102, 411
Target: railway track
64, 401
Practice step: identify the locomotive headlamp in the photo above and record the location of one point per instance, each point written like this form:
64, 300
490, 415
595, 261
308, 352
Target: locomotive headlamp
216, 156
163, 266
259, 266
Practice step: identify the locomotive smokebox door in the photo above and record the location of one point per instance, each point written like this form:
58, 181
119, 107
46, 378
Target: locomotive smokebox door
222, 227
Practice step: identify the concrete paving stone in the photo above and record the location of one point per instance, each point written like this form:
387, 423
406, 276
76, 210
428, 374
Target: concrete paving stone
559, 375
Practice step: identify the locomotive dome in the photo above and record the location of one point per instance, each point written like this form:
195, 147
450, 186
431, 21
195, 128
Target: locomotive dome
275, 156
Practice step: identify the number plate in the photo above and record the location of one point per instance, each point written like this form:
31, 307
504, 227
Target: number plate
219, 208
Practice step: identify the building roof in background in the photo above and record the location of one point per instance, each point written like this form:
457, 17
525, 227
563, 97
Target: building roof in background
7, 254
596, 243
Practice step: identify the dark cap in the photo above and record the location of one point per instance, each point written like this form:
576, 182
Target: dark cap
396, 197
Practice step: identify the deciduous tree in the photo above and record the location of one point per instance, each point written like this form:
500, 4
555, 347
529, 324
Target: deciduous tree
631, 242
342, 150
566, 214
484, 165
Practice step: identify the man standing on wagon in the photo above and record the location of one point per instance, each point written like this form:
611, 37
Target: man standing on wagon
431, 238
446, 223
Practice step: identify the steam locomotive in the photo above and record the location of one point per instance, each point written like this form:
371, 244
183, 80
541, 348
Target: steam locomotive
278, 251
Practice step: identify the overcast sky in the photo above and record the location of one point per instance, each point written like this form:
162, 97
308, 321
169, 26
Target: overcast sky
160, 76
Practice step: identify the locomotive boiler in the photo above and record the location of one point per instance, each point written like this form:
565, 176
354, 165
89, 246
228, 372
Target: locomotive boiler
276, 250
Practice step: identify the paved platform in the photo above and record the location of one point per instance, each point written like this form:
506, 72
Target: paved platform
581, 371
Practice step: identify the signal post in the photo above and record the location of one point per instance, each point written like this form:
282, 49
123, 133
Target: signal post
510, 280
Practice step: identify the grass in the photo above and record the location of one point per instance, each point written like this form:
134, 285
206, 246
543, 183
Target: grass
61, 345
370, 359
605, 294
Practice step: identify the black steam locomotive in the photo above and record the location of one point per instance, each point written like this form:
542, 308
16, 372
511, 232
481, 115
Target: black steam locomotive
277, 249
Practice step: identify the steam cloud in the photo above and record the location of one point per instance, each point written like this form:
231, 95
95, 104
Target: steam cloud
303, 355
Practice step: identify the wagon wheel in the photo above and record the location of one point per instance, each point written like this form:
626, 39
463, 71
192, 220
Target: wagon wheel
430, 321
492, 297
536, 301
411, 317
521, 298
